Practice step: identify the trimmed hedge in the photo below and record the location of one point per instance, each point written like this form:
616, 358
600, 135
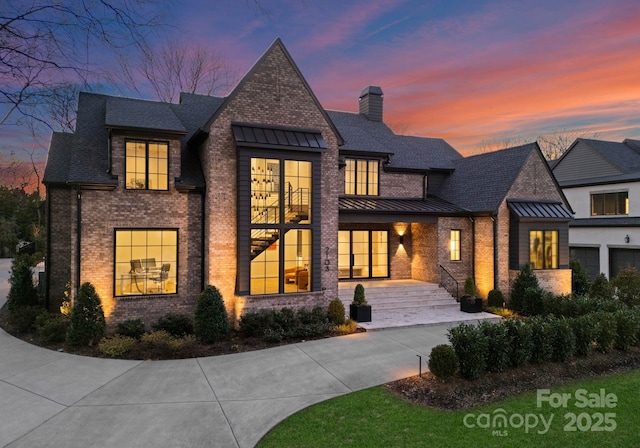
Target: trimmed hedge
497, 355
177, 325
276, 326
211, 318
470, 346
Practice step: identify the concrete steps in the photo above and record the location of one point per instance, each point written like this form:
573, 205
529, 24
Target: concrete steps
402, 303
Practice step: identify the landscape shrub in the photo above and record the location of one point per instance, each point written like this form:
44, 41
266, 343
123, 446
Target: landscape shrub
626, 329
541, 348
349, 326
533, 300
470, 345
605, 331
254, 324
524, 280
497, 358
600, 288
23, 318
469, 287
158, 344
177, 325
276, 326
22, 292
563, 341
584, 331
86, 324
336, 312
211, 318
51, 328
626, 286
495, 299
519, 341
579, 279
116, 346
134, 328
358, 295
443, 362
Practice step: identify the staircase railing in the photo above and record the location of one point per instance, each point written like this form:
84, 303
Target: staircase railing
448, 282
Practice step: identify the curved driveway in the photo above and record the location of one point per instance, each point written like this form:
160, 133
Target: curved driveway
52, 399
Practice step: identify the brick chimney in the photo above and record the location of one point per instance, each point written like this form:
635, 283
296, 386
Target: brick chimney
370, 103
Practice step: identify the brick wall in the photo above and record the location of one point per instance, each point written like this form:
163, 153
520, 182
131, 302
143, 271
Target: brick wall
462, 269
484, 254
424, 250
61, 202
396, 185
271, 94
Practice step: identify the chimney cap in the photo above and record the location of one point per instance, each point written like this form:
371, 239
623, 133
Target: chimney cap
371, 90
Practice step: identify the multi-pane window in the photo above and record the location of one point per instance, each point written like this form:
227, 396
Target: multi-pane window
281, 235
147, 165
361, 177
616, 203
146, 261
454, 245
543, 249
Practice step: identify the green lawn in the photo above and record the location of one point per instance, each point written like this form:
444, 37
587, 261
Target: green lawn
376, 418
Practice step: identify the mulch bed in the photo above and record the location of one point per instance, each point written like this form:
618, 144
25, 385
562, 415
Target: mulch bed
459, 393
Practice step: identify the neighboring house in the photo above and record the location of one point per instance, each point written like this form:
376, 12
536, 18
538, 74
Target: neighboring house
601, 180
275, 200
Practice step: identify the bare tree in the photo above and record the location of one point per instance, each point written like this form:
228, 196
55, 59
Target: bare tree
42, 42
178, 66
552, 145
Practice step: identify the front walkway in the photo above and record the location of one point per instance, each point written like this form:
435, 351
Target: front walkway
408, 303
52, 399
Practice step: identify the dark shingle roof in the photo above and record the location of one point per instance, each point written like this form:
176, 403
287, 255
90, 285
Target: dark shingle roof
621, 155
481, 182
138, 114
58, 161
406, 152
360, 134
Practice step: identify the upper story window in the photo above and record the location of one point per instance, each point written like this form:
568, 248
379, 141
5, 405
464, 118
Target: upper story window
610, 203
361, 177
147, 165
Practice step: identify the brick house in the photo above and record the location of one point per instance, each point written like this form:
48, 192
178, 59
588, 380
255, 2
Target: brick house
275, 200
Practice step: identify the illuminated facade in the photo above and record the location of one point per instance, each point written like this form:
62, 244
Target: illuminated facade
274, 200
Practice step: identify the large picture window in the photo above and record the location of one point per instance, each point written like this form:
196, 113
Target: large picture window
361, 177
281, 235
610, 203
147, 165
543, 249
146, 261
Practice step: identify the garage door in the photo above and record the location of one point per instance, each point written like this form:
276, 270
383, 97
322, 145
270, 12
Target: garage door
622, 258
589, 258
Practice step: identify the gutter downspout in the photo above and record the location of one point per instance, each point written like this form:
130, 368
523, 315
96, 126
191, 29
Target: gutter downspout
47, 261
78, 237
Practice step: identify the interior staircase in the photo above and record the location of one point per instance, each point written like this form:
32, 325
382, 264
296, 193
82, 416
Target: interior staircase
405, 303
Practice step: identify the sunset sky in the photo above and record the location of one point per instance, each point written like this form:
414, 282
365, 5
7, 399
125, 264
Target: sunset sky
465, 71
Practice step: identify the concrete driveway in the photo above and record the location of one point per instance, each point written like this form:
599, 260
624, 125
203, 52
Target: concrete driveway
52, 399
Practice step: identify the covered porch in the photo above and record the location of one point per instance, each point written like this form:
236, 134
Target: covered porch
408, 303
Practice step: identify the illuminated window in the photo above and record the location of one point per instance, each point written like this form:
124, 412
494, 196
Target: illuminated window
610, 203
146, 261
281, 237
361, 177
147, 165
543, 249
454, 245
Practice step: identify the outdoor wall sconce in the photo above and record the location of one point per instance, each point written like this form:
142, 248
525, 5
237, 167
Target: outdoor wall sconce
626, 239
402, 240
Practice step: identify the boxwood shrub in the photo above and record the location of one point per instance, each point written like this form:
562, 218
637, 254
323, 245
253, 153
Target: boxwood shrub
443, 362
497, 355
470, 346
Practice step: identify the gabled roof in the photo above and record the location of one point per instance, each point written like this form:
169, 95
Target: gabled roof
592, 162
360, 134
58, 161
277, 44
480, 183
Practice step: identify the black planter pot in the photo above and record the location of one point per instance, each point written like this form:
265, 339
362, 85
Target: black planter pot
360, 313
470, 304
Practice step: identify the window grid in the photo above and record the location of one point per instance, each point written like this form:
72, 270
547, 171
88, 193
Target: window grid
455, 245
361, 177
147, 165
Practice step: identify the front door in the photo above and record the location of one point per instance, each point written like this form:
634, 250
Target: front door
363, 253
